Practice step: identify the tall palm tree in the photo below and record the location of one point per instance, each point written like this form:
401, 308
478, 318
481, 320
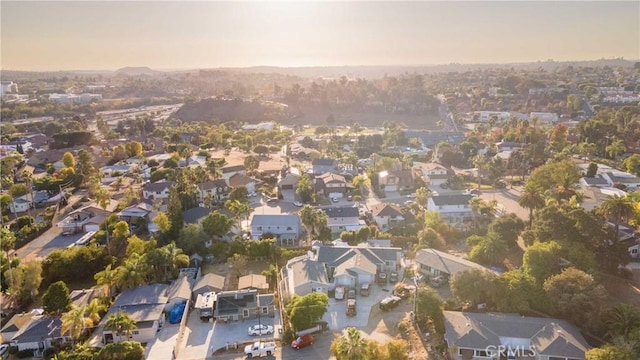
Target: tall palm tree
120, 323
621, 320
74, 323
618, 208
132, 273
238, 209
107, 277
531, 199
103, 199
28, 179
351, 346
177, 258
93, 310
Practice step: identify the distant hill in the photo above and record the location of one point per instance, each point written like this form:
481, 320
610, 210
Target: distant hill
225, 110
136, 71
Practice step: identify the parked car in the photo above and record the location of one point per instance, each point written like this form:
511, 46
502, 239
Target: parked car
262, 329
444, 185
349, 198
403, 291
389, 303
335, 199
252, 194
298, 204
437, 281
393, 278
259, 349
302, 341
351, 307
3, 349
351, 294
364, 289
272, 200
382, 278
339, 294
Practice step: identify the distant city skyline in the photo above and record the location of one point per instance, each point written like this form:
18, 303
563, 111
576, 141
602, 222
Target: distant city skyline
94, 35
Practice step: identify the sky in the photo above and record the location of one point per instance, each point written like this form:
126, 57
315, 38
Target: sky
79, 35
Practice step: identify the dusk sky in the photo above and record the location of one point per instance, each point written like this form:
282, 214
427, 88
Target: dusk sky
173, 35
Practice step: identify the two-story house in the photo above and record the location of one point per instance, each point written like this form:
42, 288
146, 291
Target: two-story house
321, 166
511, 336
158, 190
392, 181
454, 209
386, 215
343, 219
215, 191
239, 180
229, 171
433, 263
284, 228
433, 174
86, 218
332, 186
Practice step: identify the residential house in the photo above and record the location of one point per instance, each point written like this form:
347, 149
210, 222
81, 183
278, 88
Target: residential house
86, 218
111, 173
303, 275
14, 325
352, 266
508, 146
208, 283
343, 219
629, 181
478, 336
321, 166
216, 191
229, 171
431, 139
544, 117
453, 209
158, 190
43, 332
288, 185
239, 180
178, 292
135, 212
433, 263
392, 181
80, 298
144, 304
20, 204
195, 215
253, 281
597, 181
386, 215
285, 228
332, 185
433, 174
242, 304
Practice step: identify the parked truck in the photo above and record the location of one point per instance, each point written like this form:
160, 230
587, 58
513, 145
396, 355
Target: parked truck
259, 349
351, 307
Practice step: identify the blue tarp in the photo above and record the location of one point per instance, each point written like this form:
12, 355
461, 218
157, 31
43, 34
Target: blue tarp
176, 313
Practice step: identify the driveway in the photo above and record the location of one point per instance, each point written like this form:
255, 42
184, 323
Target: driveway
508, 199
336, 313
162, 348
197, 339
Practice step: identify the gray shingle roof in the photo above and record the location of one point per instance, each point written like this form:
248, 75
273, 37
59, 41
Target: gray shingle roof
209, 282
233, 168
595, 180
158, 186
338, 212
458, 199
306, 270
323, 162
193, 215
46, 327
551, 337
330, 254
278, 220
446, 263
179, 288
383, 209
147, 294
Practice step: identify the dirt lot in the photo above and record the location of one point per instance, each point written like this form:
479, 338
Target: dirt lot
272, 162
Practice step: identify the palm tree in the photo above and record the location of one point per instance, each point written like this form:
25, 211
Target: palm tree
621, 320
351, 346
103, 199
28, 179
238, 209
74, 323
132, 273
617, 208
531, 199
93, 310
177, 258
120, 323
107, 277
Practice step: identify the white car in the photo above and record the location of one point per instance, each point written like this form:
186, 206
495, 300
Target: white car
256, 330
298, 204
3, 349
251, 194
339, 294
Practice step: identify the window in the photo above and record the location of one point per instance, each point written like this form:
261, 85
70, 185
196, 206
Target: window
158, 192
289, 228
135, 332
265, 310
245, 312
259, 228
481, 353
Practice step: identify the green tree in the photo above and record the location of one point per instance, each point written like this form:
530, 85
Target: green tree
622, 320
559, 176
422, 196
5, 201
610, 352
617, 208
489, 249
251, 163
240, 194
174, 212
94, 310
192, 239
429, 306
541, 260
507, 228
216, 224
68, 160
574, 295
518, 292
616, 148
473, 286
132, 273
304, 311
107, 278
592, 170
632, 164
32, 277
74, 323
123, 350
162, 222
133, 148
305, 188
313, 219
84, 165
352, 346
261, 150
18, 190
239, 209
121, 324
56, 299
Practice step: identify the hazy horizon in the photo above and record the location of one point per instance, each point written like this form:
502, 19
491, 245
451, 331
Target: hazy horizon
91, 35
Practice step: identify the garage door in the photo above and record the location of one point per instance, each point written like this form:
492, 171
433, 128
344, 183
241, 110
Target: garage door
365, 279
335, 195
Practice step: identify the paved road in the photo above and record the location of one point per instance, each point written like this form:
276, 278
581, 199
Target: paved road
51, 239
508, 199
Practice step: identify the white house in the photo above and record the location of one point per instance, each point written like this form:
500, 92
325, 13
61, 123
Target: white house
454, 209
285, 228
86, 218
303, 275
20, 204
42, 333
343, 219
432, 263
157, 191
215, 190
386, 215
433, 174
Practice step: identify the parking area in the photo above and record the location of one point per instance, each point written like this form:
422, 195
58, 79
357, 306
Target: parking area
197, 338
162, 348
336, 314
